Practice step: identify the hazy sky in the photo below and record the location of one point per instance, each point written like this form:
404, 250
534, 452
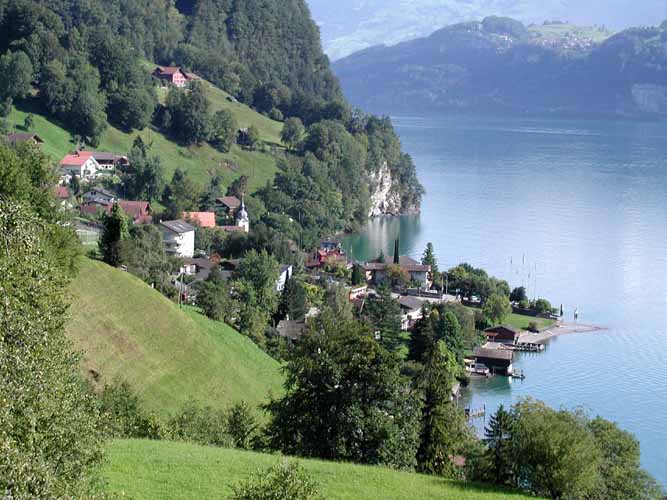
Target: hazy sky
349, 25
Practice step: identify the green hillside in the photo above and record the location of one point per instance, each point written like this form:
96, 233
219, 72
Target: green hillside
169, 356
202, 162
163, 470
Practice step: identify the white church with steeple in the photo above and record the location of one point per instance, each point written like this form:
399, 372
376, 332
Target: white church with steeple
242, 219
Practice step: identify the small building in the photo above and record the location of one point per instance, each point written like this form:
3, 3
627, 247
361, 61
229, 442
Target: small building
292, 330
330, 244
99, 194
285, 274
138, 211
201, 219
356, 292
200, 268
496, 360
179, 238
81, 164
502, 334
109, 162
228, 204
173, 75
376, 272
16, 139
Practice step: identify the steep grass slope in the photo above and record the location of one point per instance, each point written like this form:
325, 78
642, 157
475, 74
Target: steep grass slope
168, 355
201, 162
163, 470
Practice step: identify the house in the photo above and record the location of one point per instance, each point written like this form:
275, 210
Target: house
63, 195
376, 272
228, 204
18, 138
502, 334
411, 307
497, 360
138, 211
330, 245
285, 274
95, 207
292, 330
356, 292
173, 75
99, 194
109, 162
81, 164
199, 268
201, 219
179, 238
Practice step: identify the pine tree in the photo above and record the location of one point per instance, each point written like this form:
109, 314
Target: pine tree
422, 337
397, 255
498, 439
428, 259
440, 429
114, 232
385, 315
357, 277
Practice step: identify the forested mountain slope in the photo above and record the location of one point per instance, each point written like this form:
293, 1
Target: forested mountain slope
499, 65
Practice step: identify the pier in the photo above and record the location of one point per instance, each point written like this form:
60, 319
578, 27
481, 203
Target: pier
475, 413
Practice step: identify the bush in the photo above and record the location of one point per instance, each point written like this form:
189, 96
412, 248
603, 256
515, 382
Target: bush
241, 425
283, 481
533, 327
122, 414
202, 425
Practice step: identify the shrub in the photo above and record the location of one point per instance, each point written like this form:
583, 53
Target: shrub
202, 425
241, 425
533, 327
285, 480
123, 416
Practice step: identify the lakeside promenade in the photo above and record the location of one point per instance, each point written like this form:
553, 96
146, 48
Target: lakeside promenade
558, 329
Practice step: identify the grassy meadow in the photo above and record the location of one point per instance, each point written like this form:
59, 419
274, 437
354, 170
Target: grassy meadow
201, 161
127, 330
168, 471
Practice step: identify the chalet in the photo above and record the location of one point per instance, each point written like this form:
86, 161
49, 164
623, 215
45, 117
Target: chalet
173, 75
109, 162
502, 334
201, 219
17, 138
81, 164
99, 194
95, 207
179, 238
199, 268
228, 204
292, 330
496, 360
376, 272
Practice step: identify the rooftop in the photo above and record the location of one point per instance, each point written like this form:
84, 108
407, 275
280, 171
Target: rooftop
18, 137
202, 219
501, 354
178, 226
291, 329
495, 329
229, 201
76, 159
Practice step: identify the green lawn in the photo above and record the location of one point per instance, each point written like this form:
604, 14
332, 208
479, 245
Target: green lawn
163, 470
522, 322
169, 356
201, 162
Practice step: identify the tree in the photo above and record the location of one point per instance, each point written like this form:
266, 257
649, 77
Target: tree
498, 439
286, 480
344, 399
190, 116
223, 130
143, 253
397, 254
114, 232
181, 195
497, 308
358, 276
51, 441
554, 452
448, 329
293, 301
384, 314
292, 132
428, 259
443, 429
145, 180
213, 296
241, 425
422, 337
252, 137
518, 295
16, 74
620, 468
542, 306
29, 121
260, 271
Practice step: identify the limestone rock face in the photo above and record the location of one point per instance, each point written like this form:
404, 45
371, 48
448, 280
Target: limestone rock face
385, 200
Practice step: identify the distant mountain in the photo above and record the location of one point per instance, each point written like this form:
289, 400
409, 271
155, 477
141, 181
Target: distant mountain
499, 65
351, 25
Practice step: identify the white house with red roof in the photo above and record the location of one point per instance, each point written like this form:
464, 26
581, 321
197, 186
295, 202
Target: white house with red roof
81, 164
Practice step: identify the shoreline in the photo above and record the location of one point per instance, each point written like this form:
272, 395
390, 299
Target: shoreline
558, 330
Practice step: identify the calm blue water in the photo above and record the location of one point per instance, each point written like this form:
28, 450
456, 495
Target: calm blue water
583, 205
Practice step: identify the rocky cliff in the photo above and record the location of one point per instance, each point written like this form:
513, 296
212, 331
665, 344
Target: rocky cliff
385, 199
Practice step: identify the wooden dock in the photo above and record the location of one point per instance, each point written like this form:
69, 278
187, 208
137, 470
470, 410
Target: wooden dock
528, 347
475, 413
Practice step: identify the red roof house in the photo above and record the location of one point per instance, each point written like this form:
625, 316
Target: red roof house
138, 211
201, 219
172, 74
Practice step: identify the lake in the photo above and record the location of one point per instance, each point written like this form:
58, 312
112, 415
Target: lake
576, 211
